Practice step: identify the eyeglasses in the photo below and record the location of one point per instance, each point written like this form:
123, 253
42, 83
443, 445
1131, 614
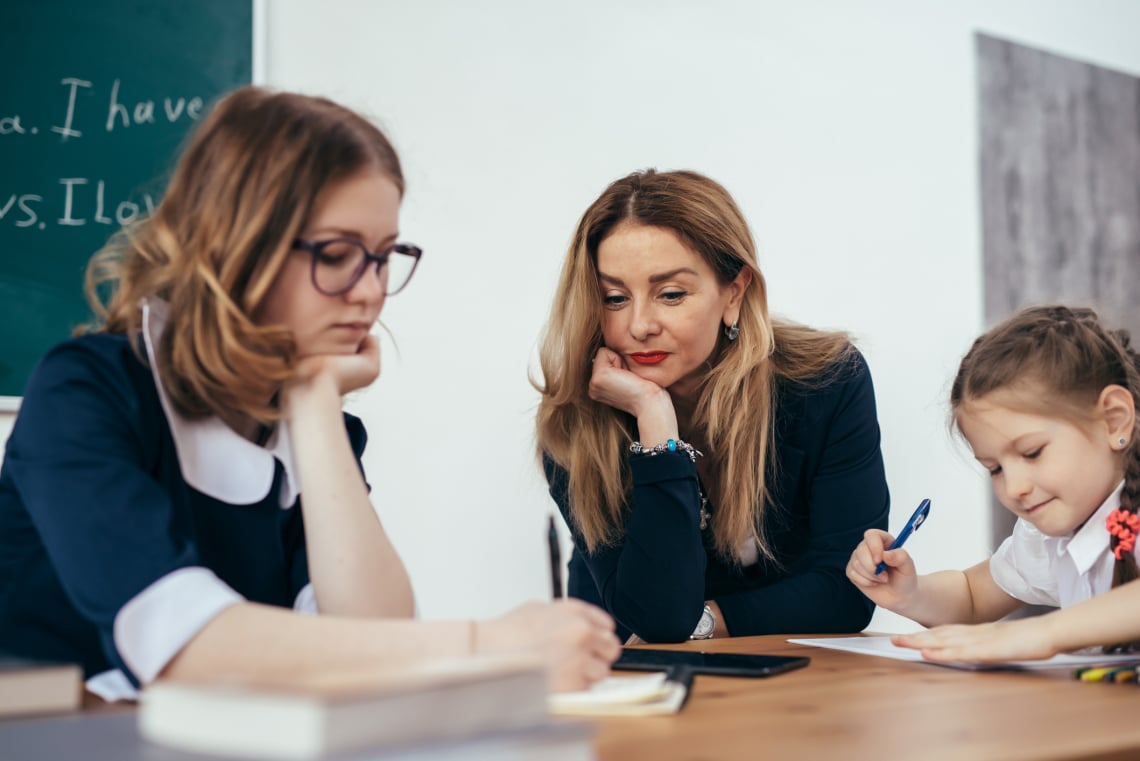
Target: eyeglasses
339, 263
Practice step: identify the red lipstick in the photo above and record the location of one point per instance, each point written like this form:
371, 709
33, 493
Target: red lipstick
648, 357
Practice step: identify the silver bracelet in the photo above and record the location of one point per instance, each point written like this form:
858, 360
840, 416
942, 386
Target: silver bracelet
672, 445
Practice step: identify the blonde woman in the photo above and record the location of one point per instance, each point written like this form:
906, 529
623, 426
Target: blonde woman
716, 466
181, 487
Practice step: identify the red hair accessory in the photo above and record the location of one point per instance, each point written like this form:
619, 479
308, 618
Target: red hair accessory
1124, 525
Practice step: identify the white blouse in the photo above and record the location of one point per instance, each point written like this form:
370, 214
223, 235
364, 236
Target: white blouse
1057, 570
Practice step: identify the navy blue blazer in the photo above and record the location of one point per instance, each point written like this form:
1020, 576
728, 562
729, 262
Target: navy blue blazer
827, 485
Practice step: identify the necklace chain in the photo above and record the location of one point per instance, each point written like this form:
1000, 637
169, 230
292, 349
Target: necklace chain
704, 507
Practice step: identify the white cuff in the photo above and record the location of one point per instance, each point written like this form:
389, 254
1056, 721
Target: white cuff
306, 601
157, 623
112, 686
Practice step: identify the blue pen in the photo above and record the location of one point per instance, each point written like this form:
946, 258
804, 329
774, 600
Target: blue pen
911, 526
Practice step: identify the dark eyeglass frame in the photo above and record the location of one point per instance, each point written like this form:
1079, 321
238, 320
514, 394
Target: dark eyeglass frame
316, 247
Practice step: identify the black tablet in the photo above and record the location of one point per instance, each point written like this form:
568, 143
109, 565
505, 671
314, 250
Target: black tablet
721, 664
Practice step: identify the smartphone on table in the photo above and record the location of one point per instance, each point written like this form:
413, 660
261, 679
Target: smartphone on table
720, 664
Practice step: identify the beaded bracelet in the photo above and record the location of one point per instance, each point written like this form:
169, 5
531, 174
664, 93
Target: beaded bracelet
672, 445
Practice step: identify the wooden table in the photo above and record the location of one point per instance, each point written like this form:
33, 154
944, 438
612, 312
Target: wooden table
847, 707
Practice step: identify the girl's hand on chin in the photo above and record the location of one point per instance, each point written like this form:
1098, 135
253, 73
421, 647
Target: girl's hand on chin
350, 372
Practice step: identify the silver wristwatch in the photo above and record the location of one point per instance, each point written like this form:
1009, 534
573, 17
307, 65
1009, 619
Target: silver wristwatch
705, 626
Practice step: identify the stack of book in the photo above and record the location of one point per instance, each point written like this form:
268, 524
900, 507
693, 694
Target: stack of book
113, 736
493, 703
35, 687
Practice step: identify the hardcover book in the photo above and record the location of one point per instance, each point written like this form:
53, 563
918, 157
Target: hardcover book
335, 713
30, 687
114, 736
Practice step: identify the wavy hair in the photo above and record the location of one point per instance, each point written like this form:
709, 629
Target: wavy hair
737, 400
240, 193
1067, 356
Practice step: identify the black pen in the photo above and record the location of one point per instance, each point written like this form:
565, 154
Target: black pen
555, 560
683, 675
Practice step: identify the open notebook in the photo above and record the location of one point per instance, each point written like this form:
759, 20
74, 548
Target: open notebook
882, 646
642, 695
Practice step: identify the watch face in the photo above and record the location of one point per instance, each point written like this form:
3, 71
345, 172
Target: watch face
705, 626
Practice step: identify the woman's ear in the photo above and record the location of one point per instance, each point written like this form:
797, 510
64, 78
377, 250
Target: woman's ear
736, 291
1118, 410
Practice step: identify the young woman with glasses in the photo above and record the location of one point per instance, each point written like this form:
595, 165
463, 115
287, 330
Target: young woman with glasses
181, 483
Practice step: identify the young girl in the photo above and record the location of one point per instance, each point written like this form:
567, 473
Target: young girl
1047, 402
151, 519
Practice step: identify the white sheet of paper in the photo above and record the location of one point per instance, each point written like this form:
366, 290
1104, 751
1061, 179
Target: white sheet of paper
882, 646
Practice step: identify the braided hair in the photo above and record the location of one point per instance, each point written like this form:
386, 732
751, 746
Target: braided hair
1072, 354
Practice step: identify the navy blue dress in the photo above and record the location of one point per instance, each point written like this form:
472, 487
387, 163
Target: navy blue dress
95, 508
827, 485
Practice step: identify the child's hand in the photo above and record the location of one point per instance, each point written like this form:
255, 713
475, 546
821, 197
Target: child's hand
891, 589
1021, 640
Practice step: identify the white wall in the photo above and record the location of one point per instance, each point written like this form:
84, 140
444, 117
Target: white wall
846, 131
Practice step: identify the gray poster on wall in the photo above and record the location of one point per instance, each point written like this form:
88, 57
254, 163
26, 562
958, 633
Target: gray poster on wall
1060, 188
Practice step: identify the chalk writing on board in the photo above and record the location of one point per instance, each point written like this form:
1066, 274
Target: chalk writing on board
117, 112
82, 200
92, 118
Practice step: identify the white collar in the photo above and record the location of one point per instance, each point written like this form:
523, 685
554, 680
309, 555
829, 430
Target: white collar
214, 459
1088, 543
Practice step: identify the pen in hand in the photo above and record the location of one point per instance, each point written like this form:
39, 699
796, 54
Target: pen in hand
916, 520
555, 560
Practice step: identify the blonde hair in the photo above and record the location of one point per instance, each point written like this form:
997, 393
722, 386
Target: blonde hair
1070, 355
240, 193
737, 401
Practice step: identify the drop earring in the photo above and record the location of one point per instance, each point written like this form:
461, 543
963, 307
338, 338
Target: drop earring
732, 331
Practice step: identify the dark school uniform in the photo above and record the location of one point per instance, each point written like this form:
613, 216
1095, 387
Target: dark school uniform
125, 528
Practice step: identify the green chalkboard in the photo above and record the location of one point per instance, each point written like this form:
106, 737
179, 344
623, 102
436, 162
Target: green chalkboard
97, 97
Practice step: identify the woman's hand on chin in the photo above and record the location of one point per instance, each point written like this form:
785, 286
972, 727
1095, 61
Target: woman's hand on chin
349, 372
613, 383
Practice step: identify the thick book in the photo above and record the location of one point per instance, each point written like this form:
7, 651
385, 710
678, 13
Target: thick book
114, 736
30, 687
335, 713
